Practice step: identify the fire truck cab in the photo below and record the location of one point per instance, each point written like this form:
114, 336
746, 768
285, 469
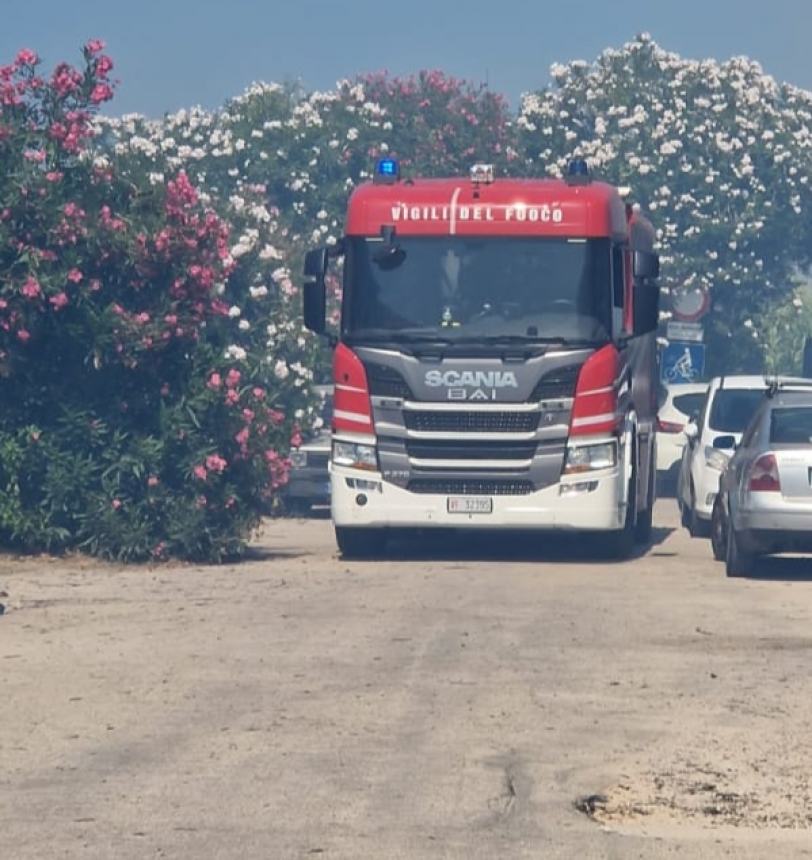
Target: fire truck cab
495, 365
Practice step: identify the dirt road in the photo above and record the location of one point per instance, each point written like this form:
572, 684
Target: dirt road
458, 702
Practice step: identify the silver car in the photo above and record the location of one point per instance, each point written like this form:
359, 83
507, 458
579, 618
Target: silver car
764, 503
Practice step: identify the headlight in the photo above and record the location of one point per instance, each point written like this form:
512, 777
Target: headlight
298, 459
356, 456
588, 458
716, 458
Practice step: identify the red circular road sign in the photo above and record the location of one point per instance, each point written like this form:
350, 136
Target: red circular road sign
691, 305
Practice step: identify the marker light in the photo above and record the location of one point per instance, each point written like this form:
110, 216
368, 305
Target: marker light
387, 170
482, 174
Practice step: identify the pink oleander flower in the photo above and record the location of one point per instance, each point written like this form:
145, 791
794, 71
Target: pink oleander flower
258, 392
215, 463
200, 472
95, 285
104, 65
31, 288
153, 481
142, 318
232, 397
75, 276
26, 57
59, 301
23, 335
54, 176
101, 93
115, 504
248, 415
233, 378
295, 439
214, 382
36, 155
94, 46
242, 437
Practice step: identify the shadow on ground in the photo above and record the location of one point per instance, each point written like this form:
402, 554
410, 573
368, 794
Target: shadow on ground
782, 568
463, 545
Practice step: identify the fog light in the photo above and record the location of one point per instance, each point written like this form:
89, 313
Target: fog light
361, 500
577, 489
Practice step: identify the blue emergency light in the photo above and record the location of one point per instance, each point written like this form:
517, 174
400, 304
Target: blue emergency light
387, 170
578, 172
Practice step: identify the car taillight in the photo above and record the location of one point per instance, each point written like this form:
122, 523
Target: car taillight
668, 426
595, 407
352, 409
764, 475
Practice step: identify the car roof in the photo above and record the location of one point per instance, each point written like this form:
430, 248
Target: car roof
738, 381
791, 398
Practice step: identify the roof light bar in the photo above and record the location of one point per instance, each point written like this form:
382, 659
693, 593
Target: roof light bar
387, 171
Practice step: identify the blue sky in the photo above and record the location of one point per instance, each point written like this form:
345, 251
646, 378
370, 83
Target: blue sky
176, 53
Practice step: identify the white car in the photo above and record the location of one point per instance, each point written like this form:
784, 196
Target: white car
677, 404
730, 404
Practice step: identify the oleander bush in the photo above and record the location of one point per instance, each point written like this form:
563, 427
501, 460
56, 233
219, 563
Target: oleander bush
142, 413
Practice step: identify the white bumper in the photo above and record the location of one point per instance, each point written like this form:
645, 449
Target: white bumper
601, 508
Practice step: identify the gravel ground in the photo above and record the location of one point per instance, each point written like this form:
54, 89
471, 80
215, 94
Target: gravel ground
472, 697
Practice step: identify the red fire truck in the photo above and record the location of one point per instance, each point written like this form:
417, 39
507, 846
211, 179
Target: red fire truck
495, 365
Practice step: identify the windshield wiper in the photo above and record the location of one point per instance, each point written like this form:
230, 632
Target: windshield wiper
527, 340
382, 336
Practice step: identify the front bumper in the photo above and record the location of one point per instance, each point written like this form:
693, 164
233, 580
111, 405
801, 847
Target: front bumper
602, 508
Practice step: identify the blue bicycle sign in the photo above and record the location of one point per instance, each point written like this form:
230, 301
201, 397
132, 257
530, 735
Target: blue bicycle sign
682, 362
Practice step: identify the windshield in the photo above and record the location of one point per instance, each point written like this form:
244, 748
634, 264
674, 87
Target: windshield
460, 289
733, 408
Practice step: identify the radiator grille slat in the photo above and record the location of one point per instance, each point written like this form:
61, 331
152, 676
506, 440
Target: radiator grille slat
471, 422
470, 487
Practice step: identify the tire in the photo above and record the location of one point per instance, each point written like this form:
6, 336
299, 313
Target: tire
718, 531
620, 544
360, 542
642, 528
697, 528
738, 561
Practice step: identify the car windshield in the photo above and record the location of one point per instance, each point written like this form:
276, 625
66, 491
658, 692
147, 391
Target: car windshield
791, 426
732, 408
460, 289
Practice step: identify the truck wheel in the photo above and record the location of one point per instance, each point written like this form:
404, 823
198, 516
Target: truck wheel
642, 529
738, 561
360, 542
620, 544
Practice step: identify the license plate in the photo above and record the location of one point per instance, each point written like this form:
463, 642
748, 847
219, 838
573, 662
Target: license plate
470, 504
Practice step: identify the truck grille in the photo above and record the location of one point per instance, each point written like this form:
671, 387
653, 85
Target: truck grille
453, 449
386, 382
463, 487
558, 383
471, 422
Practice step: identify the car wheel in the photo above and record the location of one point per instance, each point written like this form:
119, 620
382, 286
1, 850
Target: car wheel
697, 528
738, 561
718, 531
360, 542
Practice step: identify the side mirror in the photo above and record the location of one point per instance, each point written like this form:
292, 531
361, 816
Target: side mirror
315, 293
646, 307
725, 443
646, 265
